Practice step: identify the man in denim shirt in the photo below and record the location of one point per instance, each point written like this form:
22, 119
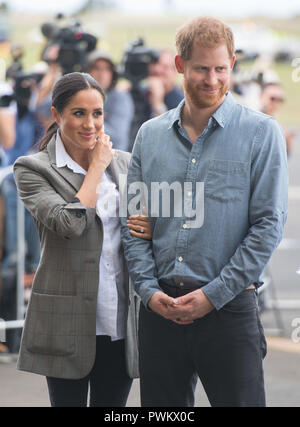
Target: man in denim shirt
197, 277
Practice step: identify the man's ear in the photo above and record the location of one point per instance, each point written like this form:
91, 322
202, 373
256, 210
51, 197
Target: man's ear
55, 114
179, 64
233, 61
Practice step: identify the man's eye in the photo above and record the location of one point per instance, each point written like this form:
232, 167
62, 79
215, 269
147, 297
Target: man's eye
78, 113
98, 113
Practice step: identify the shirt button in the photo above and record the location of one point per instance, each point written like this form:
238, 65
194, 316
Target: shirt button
184, 226
181, 284
180, 259
189, 193
193, 160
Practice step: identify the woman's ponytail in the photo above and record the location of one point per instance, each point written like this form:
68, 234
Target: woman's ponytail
52, 129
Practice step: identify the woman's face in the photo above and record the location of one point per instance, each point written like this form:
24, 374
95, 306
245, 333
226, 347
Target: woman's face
81, 120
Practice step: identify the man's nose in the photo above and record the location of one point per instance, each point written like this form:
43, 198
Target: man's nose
211, 78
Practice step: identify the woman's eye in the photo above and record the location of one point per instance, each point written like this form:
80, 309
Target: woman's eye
98, 113
78, 113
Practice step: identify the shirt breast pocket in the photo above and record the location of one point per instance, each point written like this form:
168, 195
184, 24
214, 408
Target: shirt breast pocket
226, 180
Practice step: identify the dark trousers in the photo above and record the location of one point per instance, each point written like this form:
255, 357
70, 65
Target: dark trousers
224, 349
108, 380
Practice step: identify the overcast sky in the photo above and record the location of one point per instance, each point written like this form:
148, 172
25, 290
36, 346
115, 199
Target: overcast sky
239, 8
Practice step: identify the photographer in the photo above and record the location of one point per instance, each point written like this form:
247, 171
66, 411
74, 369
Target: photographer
8, 112
40, 102
154, 88
118, 107
162, 92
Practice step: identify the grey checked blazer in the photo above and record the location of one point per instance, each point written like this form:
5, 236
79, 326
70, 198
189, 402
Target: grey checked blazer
60, 327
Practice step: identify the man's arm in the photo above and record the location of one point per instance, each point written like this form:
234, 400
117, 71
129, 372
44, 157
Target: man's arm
267, 216
138, 252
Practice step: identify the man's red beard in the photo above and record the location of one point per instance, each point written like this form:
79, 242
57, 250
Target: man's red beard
202, 99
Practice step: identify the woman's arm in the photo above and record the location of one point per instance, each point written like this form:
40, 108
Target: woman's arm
99, 159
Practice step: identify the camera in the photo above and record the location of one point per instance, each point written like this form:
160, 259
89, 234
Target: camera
134, 67
74, 44
23, 82
135, 61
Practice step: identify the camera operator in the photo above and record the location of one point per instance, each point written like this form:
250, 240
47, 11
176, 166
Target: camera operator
153, 81
162, 92
118, 106
40, 102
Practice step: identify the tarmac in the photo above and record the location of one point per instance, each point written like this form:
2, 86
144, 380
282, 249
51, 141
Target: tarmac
281, 366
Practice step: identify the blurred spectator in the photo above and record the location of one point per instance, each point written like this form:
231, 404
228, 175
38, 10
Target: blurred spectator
8, 111
272, 98
160, 92
40, 101
20, 130
118, 106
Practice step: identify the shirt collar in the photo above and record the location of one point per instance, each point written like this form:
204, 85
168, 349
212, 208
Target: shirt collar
63, 158
221, 115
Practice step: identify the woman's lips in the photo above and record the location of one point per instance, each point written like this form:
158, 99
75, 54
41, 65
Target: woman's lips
87, 135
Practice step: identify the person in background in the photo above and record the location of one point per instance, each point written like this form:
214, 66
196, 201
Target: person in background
272, 98
118, 107
159, 92
162, 91
8, 112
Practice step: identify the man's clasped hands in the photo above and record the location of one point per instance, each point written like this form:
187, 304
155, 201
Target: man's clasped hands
182, 310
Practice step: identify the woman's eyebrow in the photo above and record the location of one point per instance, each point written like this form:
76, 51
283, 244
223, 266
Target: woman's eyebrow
84, 109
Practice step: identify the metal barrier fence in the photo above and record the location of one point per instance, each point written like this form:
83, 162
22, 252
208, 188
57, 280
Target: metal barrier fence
19, 322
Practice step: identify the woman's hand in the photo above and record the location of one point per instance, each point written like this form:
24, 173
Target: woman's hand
139, 226
102, 153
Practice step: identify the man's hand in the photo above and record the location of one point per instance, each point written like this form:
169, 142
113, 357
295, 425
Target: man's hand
166, 307
191, 306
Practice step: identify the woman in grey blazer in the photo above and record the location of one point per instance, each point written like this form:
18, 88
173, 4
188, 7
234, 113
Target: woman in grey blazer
80, 328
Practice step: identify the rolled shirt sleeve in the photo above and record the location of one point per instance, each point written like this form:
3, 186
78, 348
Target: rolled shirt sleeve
67, 219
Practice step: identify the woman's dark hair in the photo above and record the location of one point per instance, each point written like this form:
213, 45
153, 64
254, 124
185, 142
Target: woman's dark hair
64, 90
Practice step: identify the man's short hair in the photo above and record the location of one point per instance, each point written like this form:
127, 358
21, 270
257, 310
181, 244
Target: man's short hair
206, 32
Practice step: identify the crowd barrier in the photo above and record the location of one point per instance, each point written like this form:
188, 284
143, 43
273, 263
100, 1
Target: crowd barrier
19, 322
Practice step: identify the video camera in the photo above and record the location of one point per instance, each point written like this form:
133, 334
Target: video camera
74, 44
135, 61
134, 67
23, 82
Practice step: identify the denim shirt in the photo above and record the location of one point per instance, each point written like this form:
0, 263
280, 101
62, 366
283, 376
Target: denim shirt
241, 159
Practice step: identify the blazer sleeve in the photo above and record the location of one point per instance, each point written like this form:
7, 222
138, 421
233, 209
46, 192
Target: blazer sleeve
46, 205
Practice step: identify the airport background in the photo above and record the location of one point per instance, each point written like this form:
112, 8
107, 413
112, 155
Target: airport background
268, 35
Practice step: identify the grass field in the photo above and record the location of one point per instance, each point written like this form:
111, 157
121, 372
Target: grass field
115, 31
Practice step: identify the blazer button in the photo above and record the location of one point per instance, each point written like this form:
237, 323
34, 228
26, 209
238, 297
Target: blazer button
79, 214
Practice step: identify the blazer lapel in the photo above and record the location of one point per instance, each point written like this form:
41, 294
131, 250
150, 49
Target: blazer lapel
74, 179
